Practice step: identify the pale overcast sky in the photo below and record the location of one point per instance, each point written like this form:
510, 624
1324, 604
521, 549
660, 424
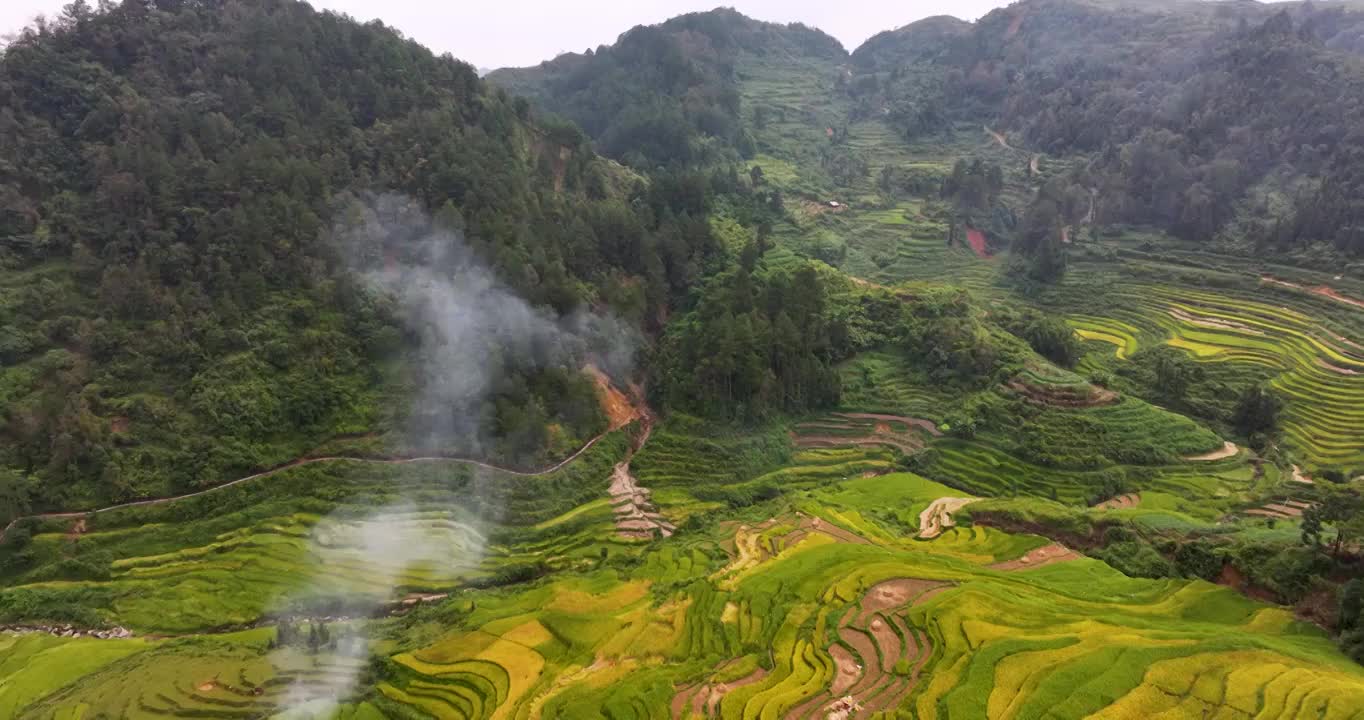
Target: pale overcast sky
499, 33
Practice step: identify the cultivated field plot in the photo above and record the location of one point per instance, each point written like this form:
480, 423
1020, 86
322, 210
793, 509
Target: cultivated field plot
1314, 361
818, 603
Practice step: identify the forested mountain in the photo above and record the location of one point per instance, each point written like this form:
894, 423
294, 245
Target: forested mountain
174, 308
1232, 123
664, 94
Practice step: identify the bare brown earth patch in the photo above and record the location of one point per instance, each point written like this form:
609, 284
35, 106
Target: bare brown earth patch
893, 594
1233, 578
938, 516
636, 516
1319, 290
846, 670
704, 699
1039, 557
620, 411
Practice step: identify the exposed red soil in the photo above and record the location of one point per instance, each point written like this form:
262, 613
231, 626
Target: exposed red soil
119, 424
881, 639
846, 670
888, 640
1324, 291
1233, 578
894, 593
704, 700
1300, 476
1039, 557
1319, 290
620, 411
976, 239
681, 699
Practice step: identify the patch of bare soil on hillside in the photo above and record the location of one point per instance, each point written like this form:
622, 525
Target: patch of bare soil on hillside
620, 410
636, 516
1039, 557
703, 699
1319, 290
938, 516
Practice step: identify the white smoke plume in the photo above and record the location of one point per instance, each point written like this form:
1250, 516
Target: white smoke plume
370, 561
467, 326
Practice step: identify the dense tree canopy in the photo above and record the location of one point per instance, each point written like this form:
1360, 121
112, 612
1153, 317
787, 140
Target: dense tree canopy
173, 309
664, 94
1234, 124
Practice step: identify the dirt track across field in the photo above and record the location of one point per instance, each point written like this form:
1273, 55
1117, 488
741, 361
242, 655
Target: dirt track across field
1319, 290
1229, 449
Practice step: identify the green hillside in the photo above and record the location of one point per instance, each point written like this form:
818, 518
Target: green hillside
1003, 369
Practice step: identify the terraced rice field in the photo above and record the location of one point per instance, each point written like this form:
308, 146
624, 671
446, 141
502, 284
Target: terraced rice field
819, 603
338, 536
1312, 359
